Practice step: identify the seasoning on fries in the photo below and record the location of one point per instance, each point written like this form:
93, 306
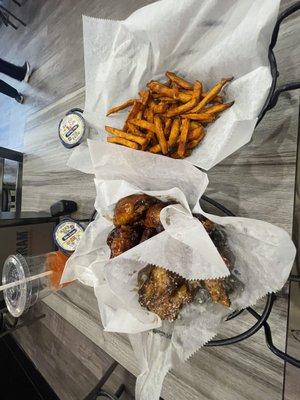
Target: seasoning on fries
169, 118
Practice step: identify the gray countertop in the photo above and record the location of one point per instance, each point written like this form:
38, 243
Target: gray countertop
257, 182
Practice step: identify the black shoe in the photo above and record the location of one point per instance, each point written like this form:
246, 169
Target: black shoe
20, 99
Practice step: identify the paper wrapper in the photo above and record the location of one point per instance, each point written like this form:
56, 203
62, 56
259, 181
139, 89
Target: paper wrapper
205, 40
183, 247
263, 253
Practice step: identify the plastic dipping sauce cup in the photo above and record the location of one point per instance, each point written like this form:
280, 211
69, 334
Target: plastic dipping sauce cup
49, 267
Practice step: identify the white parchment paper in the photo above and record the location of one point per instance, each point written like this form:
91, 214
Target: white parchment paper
205, 40
263, 253
184, 246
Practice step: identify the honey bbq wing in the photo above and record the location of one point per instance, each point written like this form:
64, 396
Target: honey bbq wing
152, 218
132, 208
123, 238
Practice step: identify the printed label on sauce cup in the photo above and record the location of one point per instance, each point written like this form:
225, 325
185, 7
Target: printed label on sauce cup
71, 129
68, 234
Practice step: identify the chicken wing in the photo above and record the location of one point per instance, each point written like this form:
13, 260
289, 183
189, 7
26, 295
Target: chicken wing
207, 223
147, 234
132, 208
217, 291
152, 219
219, 239
164, 292
123, 238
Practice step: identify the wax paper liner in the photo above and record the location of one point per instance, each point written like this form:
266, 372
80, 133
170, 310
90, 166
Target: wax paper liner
183, 247
205, 40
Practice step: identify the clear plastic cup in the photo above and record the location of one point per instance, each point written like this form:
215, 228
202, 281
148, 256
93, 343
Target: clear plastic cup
21, 297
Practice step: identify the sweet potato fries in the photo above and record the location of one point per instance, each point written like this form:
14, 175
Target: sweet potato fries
169, 118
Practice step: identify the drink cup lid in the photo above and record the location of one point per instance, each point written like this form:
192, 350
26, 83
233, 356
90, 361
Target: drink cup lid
17, 298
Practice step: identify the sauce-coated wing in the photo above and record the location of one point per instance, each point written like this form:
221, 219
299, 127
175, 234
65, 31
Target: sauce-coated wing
123, 238
152, 219
132, 208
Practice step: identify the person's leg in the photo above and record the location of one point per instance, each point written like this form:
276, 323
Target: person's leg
12, 70
11, 92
